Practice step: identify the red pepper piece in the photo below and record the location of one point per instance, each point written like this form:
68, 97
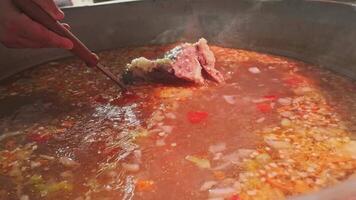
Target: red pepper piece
235, 197
264, 107
197, 116
39, 138
270, 97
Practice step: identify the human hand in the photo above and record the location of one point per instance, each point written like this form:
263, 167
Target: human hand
19, 31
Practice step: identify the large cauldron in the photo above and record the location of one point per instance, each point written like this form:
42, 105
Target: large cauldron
321, 32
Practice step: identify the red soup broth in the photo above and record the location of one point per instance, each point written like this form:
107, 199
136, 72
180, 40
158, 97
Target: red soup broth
276, 128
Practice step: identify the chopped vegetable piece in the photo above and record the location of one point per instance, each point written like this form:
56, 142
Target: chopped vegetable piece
220, 175
207, 185
67, 123
230, 99
144, 185
260, 120
270, 97
221, 192
285, 122
235, 197
263, 158
24, 197
197, 116
68, 162
219, 147
252, 165
264, 107
285, 101
61, 186
277, 144
199, 162
167, 128
45, 189
254, 70
349, 149
160, 142
36, 179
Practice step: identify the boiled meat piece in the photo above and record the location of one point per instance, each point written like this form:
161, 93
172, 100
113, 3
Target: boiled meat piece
188, 62
207, 60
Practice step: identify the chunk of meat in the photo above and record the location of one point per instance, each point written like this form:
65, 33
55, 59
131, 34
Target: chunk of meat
186, 62
187, 65
207, 60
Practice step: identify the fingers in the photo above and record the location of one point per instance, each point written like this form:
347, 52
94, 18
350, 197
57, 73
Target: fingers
23, 43
96, 56
42, 36
17, 30
66, 26
51, 8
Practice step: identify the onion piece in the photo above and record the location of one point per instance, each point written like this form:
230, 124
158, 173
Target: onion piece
160, 142
167, 129
221, 192
285, 122
260, 120
68, 162
34, 164
287, 114
243, 153
216, 148
277, 144
349, 149
199, 162
47, 157
131, 167
170, 115
207, 185
285, 101
24, 197
217, 156
233, 158
230, 99
254, 70
303, 90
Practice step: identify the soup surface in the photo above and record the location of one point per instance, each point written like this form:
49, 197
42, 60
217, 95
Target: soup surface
276, 128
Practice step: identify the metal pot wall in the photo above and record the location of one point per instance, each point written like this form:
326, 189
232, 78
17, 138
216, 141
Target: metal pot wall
315, 31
